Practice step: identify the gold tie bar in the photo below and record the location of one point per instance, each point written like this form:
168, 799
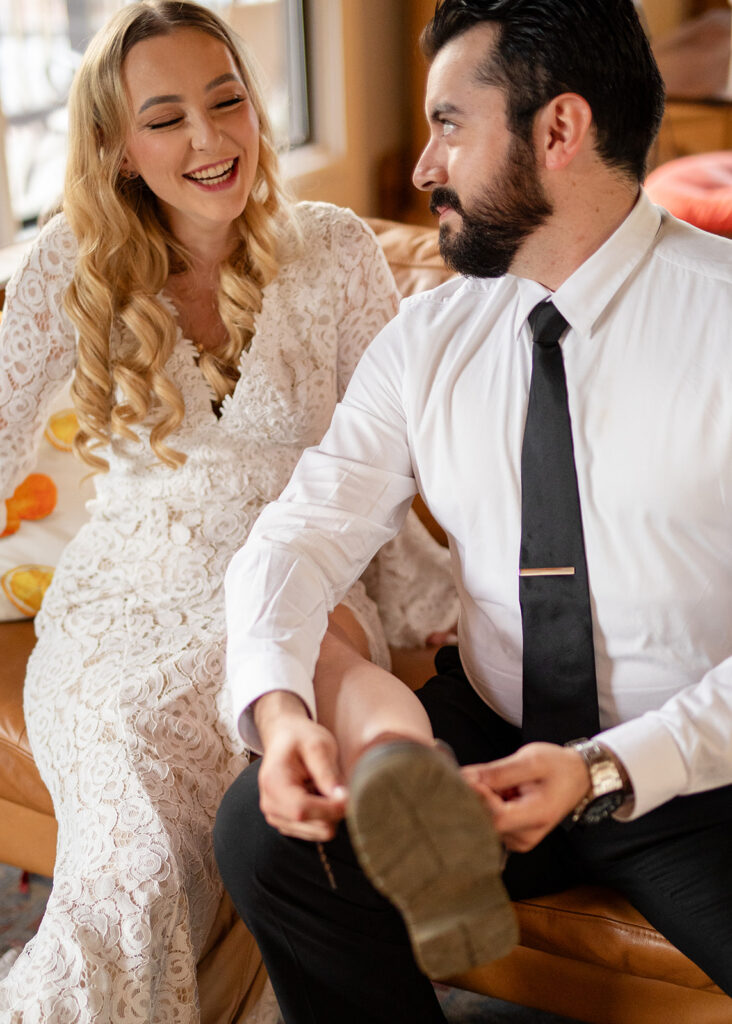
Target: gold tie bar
559, 570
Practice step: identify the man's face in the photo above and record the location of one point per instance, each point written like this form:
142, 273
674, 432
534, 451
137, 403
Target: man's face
484, 180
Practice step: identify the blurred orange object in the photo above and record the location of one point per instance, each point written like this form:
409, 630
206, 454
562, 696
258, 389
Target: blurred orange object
34, 498
62, 429
697, 189
25, 586
12, 521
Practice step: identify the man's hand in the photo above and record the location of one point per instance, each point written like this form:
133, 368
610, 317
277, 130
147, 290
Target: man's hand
531, 791
300, 787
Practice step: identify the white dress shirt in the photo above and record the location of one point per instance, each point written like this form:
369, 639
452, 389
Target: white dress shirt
438, 404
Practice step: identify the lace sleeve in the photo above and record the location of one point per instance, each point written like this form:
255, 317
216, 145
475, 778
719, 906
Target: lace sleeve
412, 584
370, 297
37, 349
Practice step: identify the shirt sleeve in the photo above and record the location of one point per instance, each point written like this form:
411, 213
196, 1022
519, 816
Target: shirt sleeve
368, 299
682, 748
37, 351
346, 498
410, 579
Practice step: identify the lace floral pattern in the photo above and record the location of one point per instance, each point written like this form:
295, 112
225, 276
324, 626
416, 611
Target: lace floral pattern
125, 701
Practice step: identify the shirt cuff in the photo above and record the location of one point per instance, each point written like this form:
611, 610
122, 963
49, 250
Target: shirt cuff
263, 675
652, 760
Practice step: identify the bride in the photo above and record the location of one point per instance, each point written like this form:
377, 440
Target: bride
210, 326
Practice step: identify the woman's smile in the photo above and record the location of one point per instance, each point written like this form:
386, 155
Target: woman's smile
215, 176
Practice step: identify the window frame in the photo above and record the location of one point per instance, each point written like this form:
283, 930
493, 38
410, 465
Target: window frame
355, 60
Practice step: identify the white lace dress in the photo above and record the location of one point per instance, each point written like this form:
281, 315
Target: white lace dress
125, 699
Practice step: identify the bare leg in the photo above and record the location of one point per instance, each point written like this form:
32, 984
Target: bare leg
358, 701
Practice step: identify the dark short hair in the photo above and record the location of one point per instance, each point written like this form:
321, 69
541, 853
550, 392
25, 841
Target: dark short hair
596, 48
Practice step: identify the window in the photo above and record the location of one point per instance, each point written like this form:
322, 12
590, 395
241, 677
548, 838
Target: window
358, 100
41, 42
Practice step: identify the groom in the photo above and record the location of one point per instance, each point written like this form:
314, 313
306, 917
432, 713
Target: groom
564, 409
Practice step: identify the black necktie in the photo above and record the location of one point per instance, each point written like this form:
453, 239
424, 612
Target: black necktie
559, 689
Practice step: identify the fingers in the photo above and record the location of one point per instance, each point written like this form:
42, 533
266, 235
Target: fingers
294, 794
296, 812
521, 819
507, 773
525, 820
316, 831
297, 801
321, 762
530, 792
300, 790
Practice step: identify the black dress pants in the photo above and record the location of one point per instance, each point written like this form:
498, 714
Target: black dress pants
338, 952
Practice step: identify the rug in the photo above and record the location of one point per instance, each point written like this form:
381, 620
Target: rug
22, 907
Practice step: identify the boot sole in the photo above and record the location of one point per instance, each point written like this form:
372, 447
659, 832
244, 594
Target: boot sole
426, 842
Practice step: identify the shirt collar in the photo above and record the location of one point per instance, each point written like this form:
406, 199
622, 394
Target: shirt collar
583, 297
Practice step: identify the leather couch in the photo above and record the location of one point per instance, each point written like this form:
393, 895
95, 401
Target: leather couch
585, 953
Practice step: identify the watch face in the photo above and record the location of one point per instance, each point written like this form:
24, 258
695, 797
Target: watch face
602, 807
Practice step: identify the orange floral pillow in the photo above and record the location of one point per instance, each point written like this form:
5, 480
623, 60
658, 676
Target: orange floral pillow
42, 515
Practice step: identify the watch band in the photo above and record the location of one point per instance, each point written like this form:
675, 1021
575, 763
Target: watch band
609, 783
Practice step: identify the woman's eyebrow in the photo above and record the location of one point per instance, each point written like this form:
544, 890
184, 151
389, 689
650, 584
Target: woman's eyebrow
228, 77
170, 98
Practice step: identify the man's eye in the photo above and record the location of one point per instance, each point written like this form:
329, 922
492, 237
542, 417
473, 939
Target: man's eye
447, 127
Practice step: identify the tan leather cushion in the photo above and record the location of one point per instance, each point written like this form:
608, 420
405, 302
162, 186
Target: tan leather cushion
599, 926
20, 782
413, 254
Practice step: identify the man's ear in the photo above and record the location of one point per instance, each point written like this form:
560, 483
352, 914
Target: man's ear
562, 129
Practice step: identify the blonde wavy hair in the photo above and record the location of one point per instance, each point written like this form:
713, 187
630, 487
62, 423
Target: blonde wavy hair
126, 252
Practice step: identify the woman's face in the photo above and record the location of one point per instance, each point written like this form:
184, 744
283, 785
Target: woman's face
195, 134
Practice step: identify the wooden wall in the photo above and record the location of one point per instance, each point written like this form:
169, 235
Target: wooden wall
664, 15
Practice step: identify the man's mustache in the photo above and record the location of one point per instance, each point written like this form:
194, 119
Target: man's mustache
442, 197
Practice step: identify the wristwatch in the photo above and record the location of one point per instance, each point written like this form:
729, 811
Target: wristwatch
609, 784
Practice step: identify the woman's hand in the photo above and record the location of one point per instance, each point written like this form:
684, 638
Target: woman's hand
531, 791
300, 786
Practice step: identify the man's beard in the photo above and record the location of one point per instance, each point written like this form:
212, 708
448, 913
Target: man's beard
509, 210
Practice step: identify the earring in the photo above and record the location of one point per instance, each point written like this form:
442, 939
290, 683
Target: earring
128, 175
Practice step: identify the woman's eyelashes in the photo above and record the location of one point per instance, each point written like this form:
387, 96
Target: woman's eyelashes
169, 122
233, 102
154, 125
